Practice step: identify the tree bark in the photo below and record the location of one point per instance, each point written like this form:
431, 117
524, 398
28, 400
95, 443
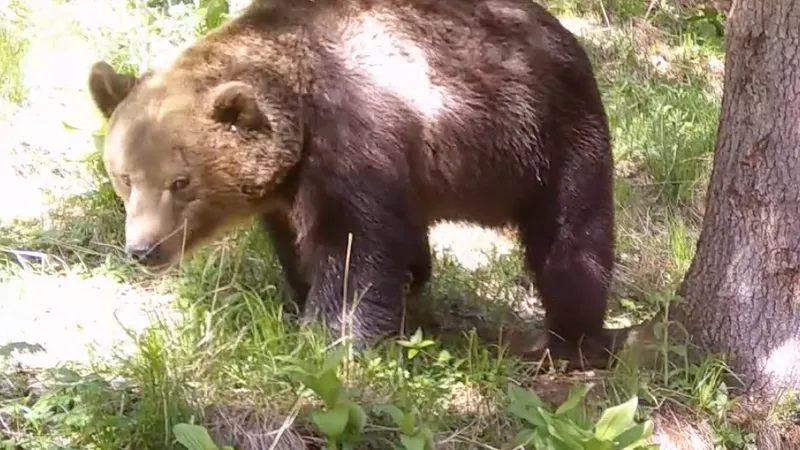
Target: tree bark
742, 290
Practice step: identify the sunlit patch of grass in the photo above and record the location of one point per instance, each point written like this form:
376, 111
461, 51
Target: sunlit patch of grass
13, 46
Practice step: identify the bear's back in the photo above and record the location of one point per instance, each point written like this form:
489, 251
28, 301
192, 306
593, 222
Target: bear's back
473, 82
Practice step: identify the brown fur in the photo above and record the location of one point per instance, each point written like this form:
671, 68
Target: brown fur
377, 118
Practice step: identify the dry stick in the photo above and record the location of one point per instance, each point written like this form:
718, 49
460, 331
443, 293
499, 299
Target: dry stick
649, 9
348, 317
346, 277
287, 422
605, 15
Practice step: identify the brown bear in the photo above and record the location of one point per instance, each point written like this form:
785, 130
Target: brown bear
373, 118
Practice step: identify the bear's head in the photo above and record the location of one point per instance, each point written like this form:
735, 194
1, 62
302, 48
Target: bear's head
188, 156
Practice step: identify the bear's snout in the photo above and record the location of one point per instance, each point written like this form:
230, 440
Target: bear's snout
147, 255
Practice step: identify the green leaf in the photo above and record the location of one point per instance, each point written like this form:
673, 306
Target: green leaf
577, 392
215, 12
99, 141
427, 434
414, 341
407, 426
523, 438
412, 353
193, 437
634, 436
393, 411
524, 396
326, 385
332, 423
530, 415
357, 416
561, 431
413, 442
19, 346
616, 419
68, 126
570, 430
294, 366
596, 444
334, 358
525, 405
417, 335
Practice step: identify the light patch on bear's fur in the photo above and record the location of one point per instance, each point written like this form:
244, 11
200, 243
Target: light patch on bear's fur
175, 104
114, 146
508, 14
393, 63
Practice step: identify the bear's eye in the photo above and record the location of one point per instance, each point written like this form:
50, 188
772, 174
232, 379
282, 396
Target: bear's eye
126, 180
179, 184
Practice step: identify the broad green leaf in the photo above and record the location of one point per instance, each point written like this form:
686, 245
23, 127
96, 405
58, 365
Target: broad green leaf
326, 385
570, 430
99, 141
332, 423
358, 418
393, 411
407, 426
596, 444
577, 392
215, 12
334, 358
412, 353
523, 438
193, 437
580, 417
540, 442
413, 442
294, 366
616, 419
531, 415
427, 434
524, 396
557, 431
634, 436
417, 335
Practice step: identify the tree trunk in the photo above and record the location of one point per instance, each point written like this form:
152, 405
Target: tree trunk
742, 291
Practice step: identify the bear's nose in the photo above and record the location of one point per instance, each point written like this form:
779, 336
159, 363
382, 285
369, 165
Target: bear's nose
144, 254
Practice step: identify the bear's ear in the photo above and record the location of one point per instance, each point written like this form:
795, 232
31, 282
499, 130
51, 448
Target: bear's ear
235, 103
108, 88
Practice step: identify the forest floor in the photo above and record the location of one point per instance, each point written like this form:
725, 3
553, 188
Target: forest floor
96, 355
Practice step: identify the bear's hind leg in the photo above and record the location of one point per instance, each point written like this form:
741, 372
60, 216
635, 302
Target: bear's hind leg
421, 267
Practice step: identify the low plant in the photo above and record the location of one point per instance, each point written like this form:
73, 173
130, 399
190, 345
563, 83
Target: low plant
195, 437
340, 419
570, 427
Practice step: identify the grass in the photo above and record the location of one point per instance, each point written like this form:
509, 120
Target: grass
230, 361
12, 48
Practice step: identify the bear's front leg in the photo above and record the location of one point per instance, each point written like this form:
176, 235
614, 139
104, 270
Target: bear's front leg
283, 240
370, 308
387, 244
